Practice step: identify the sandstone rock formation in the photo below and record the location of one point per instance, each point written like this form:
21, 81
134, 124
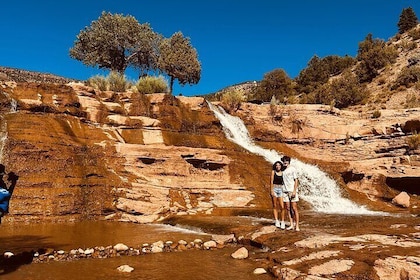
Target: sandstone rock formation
86, 154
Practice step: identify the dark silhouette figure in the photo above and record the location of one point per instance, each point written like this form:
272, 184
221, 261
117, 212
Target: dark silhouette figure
10, 264
6, 191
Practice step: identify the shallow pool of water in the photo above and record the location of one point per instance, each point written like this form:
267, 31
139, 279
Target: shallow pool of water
191, 264
198, 265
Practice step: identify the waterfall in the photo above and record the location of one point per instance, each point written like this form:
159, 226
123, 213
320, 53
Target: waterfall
315, 186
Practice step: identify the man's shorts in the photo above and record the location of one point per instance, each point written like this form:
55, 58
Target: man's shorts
278, 190
286, 197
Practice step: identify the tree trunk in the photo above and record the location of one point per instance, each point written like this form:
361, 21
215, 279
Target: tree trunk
171, 85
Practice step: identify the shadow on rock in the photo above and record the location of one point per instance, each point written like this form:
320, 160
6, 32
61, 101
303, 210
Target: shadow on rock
12, 263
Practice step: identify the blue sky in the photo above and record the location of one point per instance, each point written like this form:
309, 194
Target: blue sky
236, 41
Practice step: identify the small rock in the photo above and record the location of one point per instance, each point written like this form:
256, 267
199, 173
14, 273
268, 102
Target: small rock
120, 247
156, 249
8, 255
241, 253
89, 251
259, 271
223, 239
125, 268
210, 244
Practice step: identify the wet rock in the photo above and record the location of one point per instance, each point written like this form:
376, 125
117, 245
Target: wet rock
210, 244
398, 226
89, 251
259, 271
223, 239
120, 247
313, 277
125, 268
285, 273
398, 267
157, 247
331, 267
8, 255
263, 231
241, 253
198, 241
182, 242
402, 199
313, 256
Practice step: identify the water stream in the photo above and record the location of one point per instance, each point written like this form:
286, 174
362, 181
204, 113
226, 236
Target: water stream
316, 187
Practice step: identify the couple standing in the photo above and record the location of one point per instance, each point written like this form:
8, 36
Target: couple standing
284, 184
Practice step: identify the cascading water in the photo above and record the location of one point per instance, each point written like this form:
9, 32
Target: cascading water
315, 186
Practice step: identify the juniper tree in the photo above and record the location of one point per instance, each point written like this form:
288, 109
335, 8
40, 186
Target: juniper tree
179, 60
408, 20
114, 42
275, 83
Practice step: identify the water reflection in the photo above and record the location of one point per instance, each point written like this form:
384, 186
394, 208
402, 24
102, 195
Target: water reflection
24, 240
197, 265
18, 238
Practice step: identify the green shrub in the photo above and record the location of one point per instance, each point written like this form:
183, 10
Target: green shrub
117, 82
98, 82
414, 33
342, 92
373, 54
151, 84
376, 114
412, 100
407, 45
407, 78
231, 100
275, 83
319, 71
413, 141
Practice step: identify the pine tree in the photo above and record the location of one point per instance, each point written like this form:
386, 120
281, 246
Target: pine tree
408, 20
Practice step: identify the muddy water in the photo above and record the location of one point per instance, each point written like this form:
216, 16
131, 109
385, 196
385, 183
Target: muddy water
196, 265
193, 264
17, 238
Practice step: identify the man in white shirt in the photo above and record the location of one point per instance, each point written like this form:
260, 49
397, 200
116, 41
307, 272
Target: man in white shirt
290, 193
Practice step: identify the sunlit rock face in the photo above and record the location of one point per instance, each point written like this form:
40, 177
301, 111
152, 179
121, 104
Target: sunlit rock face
372, 156
83, 154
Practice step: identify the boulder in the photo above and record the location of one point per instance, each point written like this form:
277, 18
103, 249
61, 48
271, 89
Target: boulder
125, 268
402, 199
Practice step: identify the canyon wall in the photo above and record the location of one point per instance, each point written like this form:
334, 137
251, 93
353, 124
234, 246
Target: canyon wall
81, 154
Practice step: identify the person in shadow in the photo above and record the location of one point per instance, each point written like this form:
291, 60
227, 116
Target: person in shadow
10, 264
6, 191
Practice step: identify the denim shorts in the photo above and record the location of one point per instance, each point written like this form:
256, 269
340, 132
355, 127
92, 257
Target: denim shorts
278, 190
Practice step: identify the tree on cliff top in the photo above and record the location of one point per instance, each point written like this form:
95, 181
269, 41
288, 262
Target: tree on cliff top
179, 60
275, 83
114, 42
320, 70
408, 20
373, 54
